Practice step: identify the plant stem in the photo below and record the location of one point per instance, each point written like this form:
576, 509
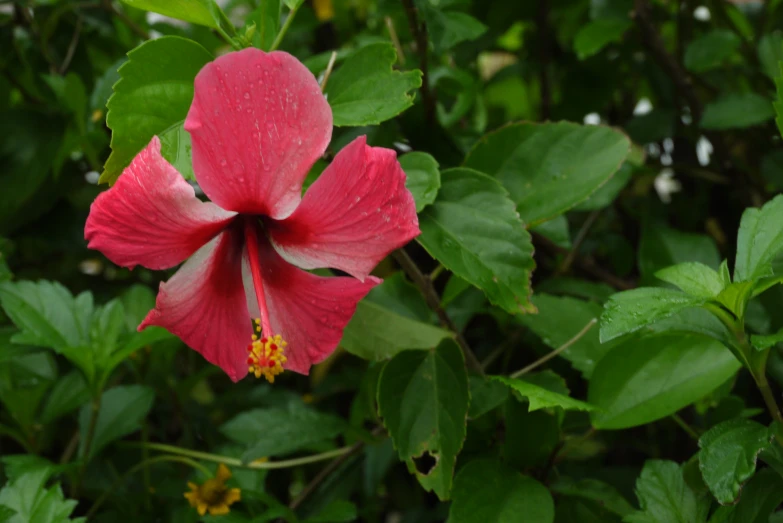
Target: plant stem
328, 71
769, 397
234, 462
684, 426
88, 440
283, 30
424, 284
580, 237
540, 361
139, 466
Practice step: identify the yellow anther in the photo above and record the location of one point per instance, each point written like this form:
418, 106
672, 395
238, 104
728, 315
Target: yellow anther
266, 357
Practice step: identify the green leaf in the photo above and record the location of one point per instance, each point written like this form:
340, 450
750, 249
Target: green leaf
6, 513
423, 176
736, 296
376, 333
770, 53
337, 511
293, 4
267, 20
665, 497
694, 278
597, 34
278, 431
365, 90
487, 490
661, 247
593, 490
122, 410
728, 455
541, 398
176, 147
736, 111
555, 230
759, 498
764, 342
759, 240
202, 12
607, 193
423, 399
711, 50
558, 320
485, 395
473, 230
642, 380
153, 95
778, 105
448, 28
32, 502
68, 394
523, 448
549, 168
629, 311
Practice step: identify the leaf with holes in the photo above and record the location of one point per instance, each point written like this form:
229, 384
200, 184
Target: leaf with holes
423, 400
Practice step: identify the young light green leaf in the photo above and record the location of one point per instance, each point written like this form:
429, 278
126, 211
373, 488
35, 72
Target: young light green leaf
559, 319
642, 380
737, 111
548, 168
736, 296
629, 311
202, 12
474, 231
759, 240
121, 411
375, 333
764, 342
661, 247
728, 455
597, 34
423, 399
31, 502
423, 177
487, 490
694, 278
664, 496
541, 398
711, 50
760, 497
278, 431
153, 95
365, 90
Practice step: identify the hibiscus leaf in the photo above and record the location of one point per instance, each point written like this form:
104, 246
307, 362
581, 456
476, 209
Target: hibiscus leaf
474, 231
202, 12
423, 400
365, 90
278, 431
541, 398
152, 96
549, 168
665, 497
423, 177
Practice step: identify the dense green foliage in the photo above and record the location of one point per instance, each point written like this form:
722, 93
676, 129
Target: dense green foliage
588, 329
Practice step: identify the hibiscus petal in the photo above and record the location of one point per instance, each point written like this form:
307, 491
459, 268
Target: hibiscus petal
258, 122
308, 311
151, 216
204, 304
356, 213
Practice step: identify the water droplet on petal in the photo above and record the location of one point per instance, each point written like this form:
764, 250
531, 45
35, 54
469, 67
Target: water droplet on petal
247, 96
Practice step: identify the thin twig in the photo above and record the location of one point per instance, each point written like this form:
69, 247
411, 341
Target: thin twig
419, 32
395, 40
424, 283
656, 46
71, 47
588, 265
540, 361
580, 237
328, 71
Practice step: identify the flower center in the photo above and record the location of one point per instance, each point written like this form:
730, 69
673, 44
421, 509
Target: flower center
265, 354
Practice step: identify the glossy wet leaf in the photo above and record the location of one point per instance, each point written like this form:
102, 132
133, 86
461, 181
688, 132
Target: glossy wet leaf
423, 177
549, 168
474, 231
693, 278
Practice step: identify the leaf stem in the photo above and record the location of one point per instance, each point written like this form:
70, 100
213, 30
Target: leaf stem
684, 426
328, 71
257, 464
140, 466
283, 30
424, 283
95, 409
540, 361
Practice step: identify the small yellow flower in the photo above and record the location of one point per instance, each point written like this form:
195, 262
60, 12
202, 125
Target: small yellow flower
213, 494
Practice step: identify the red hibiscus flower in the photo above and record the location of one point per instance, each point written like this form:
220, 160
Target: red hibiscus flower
258, 122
